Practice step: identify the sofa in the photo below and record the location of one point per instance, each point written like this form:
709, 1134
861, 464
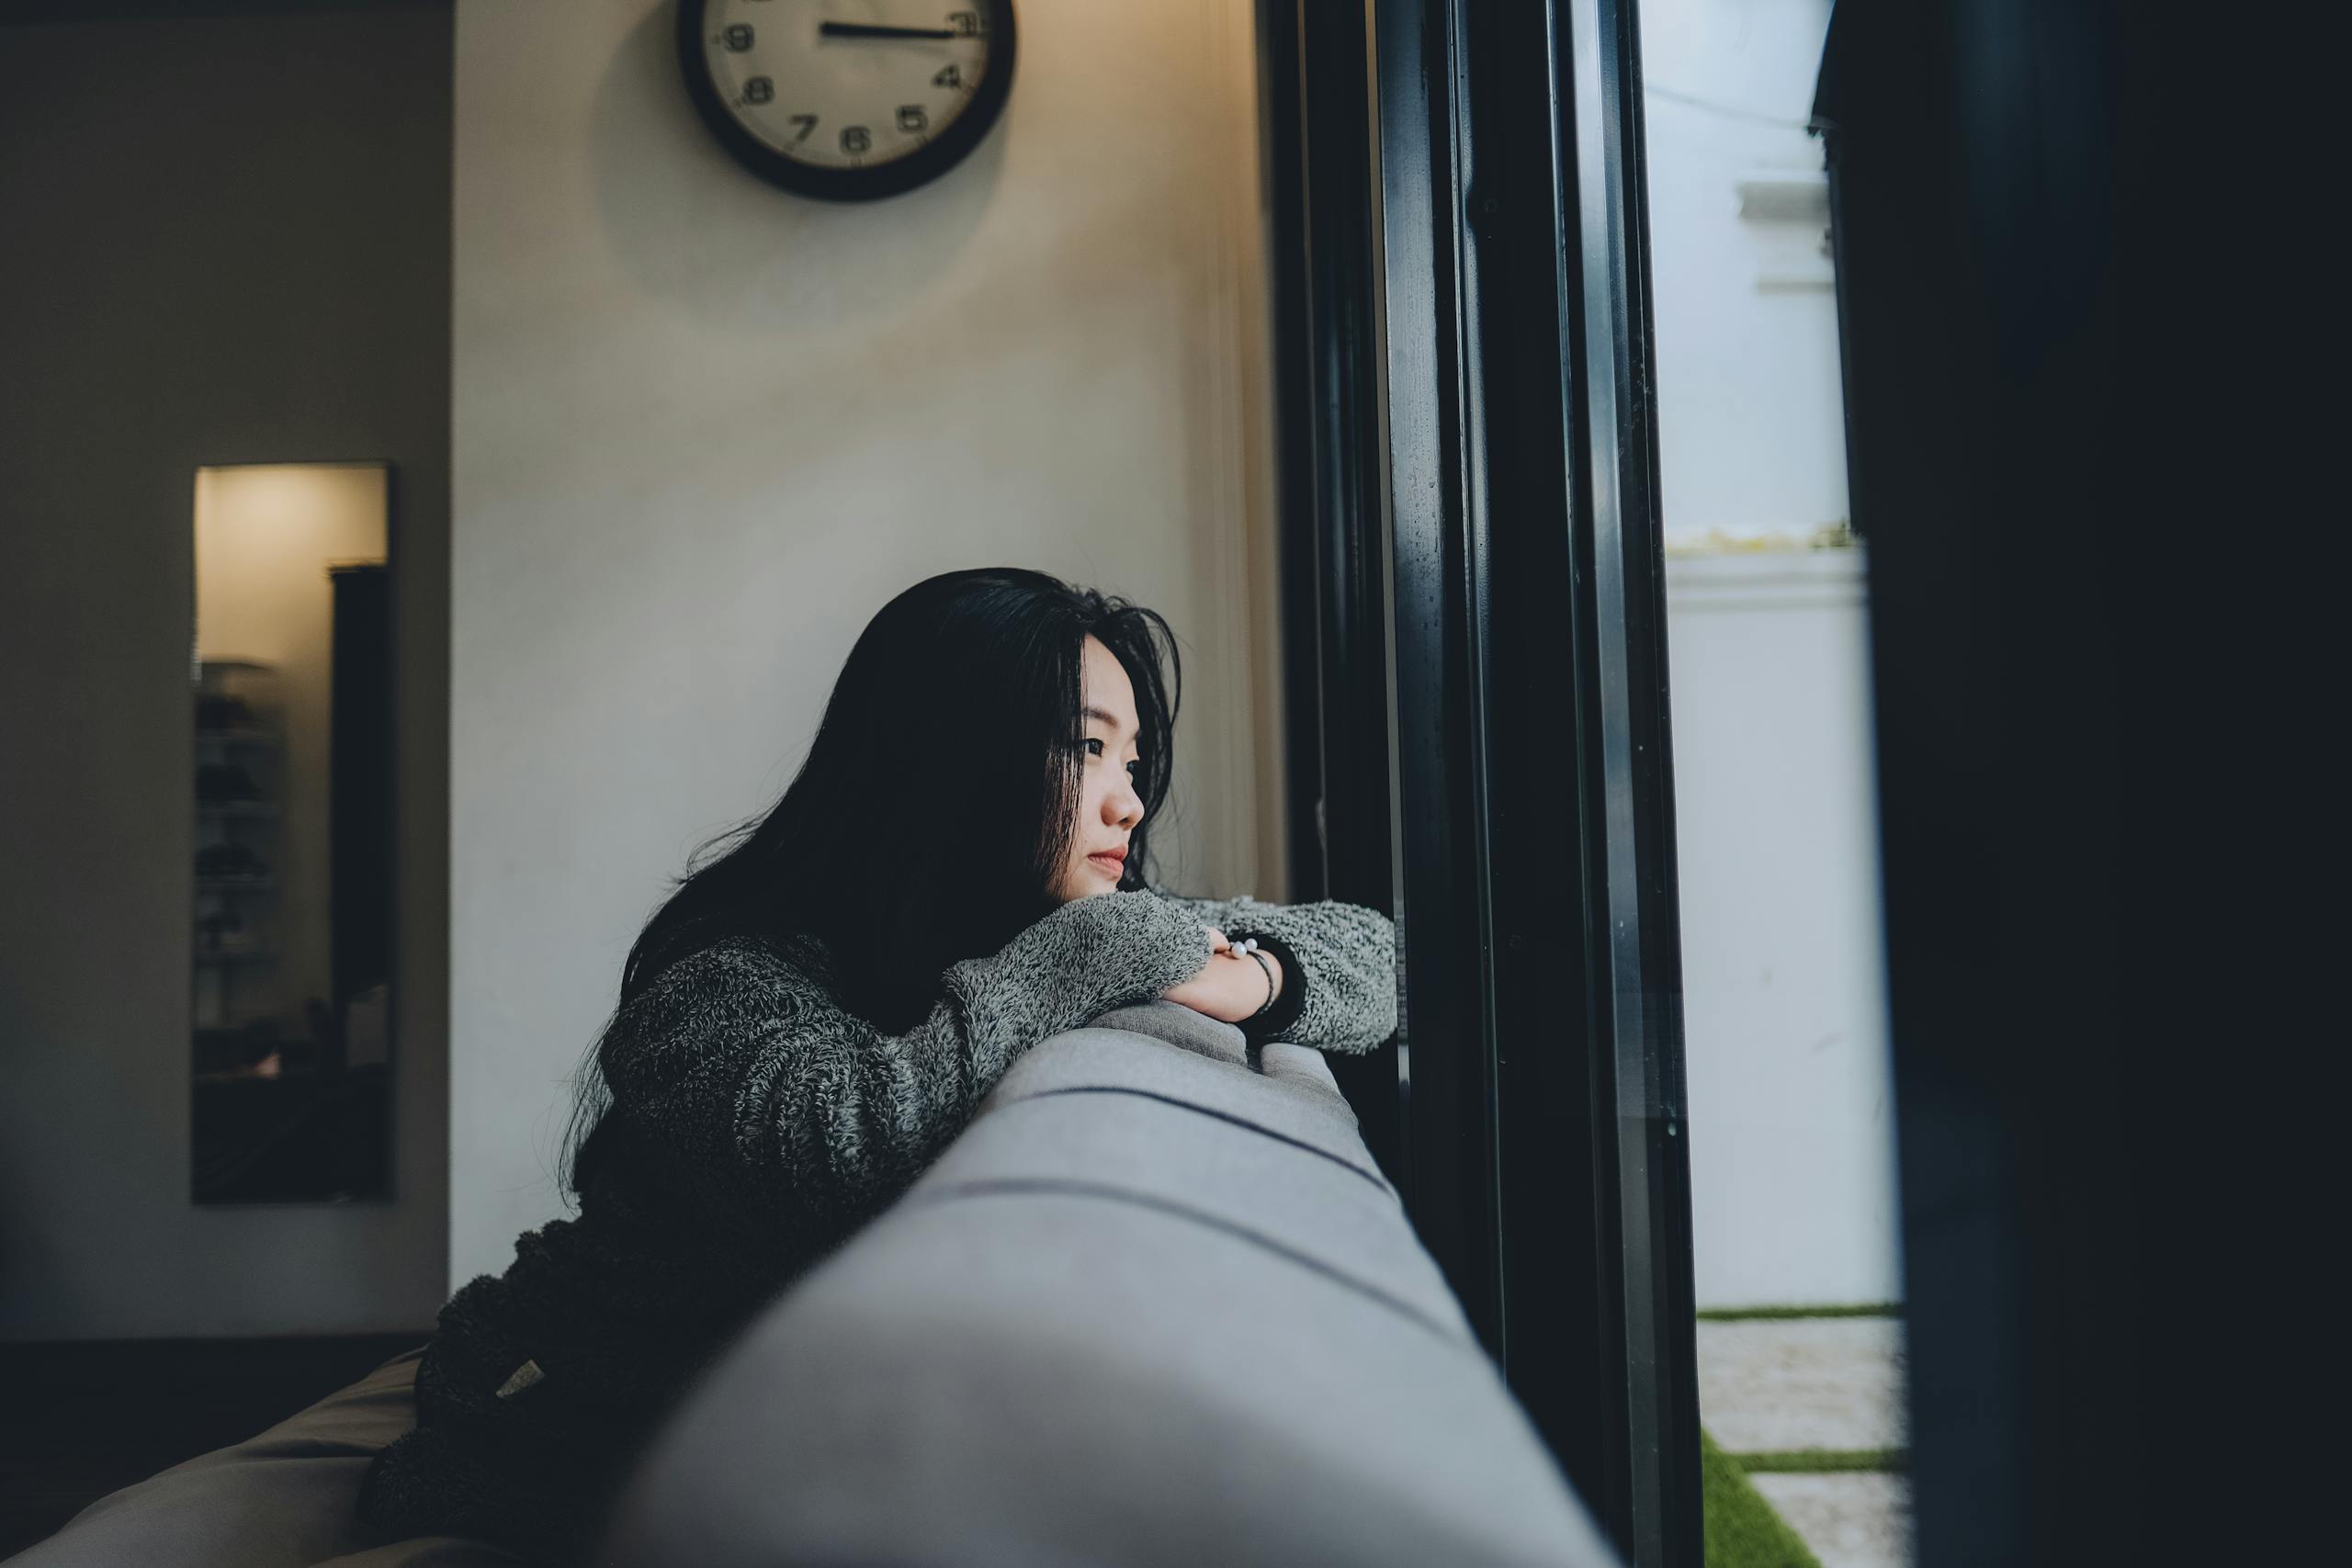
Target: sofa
1156, 1305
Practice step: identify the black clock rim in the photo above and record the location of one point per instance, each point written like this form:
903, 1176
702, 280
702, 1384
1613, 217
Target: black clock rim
925, 163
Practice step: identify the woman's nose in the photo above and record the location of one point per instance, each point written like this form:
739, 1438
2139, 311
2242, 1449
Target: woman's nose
1123, 808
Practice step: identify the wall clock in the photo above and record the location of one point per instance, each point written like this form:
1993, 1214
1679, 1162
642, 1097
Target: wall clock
847, 99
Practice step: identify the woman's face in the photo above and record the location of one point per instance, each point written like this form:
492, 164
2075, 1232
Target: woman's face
1108, 807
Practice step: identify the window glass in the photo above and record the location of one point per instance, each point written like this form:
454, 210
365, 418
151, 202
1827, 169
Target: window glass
1797, 1271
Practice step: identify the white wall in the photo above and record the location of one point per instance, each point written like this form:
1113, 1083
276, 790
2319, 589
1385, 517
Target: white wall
703, 429
263, 279
1751, 434
1792, 1191
1791, 1154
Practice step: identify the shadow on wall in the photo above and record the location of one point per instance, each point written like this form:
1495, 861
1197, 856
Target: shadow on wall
836, 263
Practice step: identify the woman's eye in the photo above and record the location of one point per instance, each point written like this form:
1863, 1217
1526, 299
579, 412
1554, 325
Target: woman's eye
1093, 747
1131, 770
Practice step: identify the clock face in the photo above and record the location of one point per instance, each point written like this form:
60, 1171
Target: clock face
847, 99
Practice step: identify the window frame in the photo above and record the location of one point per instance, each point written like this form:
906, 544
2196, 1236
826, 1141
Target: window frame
1461, 292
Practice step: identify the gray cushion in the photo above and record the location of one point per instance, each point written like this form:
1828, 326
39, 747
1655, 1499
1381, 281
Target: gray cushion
1124, 1320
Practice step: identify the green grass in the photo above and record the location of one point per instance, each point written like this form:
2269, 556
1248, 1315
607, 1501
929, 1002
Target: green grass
1742, 1530
1824, 1461
1750, 1315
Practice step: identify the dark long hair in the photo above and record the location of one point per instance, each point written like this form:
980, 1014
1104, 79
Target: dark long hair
876, 877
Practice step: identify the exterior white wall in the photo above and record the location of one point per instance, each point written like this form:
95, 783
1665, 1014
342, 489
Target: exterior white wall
1792, 1155
703, 429
1751, 434
1784, 1005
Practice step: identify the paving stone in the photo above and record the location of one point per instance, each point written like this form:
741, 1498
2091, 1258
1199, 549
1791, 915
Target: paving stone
1767, 1385
1849, 1521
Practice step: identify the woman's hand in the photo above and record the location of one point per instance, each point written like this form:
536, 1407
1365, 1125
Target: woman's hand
1230, 987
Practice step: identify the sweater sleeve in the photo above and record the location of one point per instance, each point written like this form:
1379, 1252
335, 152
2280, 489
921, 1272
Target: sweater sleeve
768, 1097
1338, 967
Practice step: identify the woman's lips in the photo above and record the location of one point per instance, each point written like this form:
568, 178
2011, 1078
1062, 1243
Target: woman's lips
1112, 866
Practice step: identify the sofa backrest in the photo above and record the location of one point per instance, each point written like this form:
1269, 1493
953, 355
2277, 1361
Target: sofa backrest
1157, 1305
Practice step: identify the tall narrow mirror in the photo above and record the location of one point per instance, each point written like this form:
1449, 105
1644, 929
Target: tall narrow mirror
293, 892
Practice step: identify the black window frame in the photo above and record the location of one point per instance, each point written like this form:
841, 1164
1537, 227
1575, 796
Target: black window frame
1474, 588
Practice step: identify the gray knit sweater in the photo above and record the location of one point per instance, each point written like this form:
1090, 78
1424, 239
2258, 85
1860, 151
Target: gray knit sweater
755, 1125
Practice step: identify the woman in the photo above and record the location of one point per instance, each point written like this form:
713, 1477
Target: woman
956, 872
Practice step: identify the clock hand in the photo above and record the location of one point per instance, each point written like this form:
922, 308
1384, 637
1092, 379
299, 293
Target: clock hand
867, 29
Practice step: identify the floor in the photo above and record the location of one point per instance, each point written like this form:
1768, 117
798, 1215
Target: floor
79, 1420
1817, 1390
